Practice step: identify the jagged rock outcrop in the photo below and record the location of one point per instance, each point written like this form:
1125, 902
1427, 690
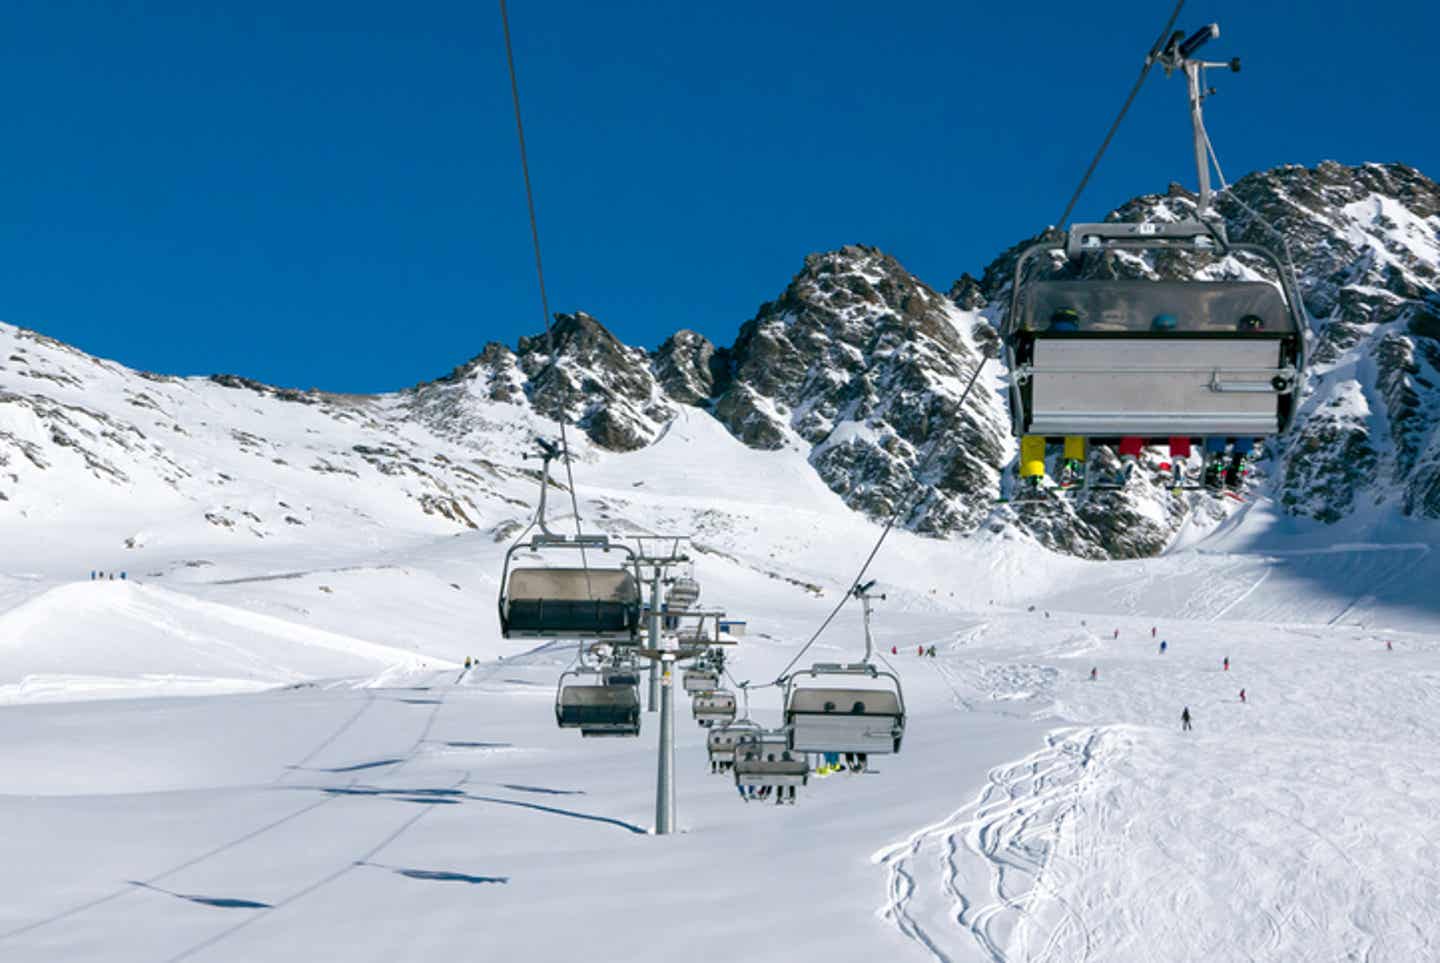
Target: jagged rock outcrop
595, 382
690, 369
862, 365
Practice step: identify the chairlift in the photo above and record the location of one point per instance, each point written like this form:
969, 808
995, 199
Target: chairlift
1134, 362
712, 708
698, 679
721, 741
563, 601
835, 715
625, 676
1108, 359
765, 764
683, 594
600, 708
831, 713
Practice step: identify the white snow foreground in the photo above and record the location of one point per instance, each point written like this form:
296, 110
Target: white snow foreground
326, 782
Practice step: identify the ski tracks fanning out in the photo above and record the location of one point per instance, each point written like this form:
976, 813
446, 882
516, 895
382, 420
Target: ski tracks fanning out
995, 875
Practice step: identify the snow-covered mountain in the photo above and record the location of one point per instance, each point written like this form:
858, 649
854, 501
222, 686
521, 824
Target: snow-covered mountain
856, 367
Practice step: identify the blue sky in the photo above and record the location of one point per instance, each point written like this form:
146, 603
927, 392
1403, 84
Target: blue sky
329, 194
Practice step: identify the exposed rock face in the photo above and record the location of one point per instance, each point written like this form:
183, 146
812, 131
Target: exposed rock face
690, 369
603, 386
863, 365
857, 365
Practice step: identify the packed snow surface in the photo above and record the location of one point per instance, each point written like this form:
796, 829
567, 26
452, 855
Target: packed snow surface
271, 750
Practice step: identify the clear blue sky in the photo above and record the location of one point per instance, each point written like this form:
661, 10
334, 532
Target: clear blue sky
328, 194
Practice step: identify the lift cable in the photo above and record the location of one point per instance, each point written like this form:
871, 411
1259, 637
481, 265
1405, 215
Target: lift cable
552, 362
900, 509
1134, 92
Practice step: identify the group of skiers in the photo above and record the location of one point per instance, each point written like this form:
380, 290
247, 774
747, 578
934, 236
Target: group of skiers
1185, 718
920, 650
105, 576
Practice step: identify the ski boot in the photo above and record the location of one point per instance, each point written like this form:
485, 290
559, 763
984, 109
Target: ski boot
1072, 474
1072, 468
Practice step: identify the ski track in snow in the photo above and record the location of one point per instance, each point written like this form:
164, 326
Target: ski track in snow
1020, 832
1095, 848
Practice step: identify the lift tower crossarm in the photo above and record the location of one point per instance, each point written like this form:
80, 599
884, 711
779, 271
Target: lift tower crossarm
1177, 54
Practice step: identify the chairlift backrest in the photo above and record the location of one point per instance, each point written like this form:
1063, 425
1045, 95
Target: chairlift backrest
1108, 358
597, 709
866, 717
569, 602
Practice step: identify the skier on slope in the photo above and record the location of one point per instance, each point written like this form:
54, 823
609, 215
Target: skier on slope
919, 650
894, 650
1185, 720
1152, 631
1094, 673
1163, 646
1227, 663
1388, 646
1242, 695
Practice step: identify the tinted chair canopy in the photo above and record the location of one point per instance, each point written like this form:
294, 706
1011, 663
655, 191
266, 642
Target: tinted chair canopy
1197, 307
1109, 358
838, 715
597, 710
593, 603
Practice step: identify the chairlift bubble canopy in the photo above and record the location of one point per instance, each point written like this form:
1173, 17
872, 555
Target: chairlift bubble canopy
568, 602
712, 708
598, 708
721, 741
765, 759
831, 713
1110, 371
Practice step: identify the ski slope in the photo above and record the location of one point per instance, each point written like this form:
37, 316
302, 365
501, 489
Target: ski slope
277, 754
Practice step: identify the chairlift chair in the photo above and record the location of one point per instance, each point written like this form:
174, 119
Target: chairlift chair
566, 602
841, 717
683, 594
1135, 361
720, 743
765, 763
712, 708
596, 708
1230, 363
700, 679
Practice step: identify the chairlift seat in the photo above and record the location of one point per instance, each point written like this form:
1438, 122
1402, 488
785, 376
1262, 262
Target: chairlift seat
850, 720
766, 760
1114, 376
720, 743
684, 593
700, 680
597, 603
599, 709
711, 708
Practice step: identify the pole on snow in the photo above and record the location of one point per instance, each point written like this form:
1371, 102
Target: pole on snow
665, 764
654, 703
